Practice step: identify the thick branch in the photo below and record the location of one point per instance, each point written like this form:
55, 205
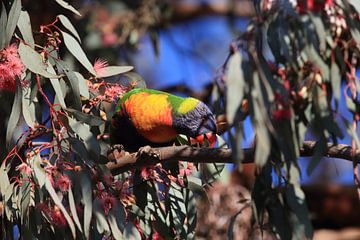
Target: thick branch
120, 163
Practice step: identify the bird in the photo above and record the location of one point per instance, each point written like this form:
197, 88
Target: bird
148, 117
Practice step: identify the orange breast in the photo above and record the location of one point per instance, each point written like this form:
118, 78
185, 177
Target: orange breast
151, 115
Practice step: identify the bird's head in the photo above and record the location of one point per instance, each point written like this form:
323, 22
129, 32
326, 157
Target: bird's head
195, 122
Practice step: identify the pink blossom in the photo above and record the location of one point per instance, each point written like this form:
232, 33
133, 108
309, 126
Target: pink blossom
57, 218
63, 183
108, 202
10, 68
114, 91
24, 168
100, 65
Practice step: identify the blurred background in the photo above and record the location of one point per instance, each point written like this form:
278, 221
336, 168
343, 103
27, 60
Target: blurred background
180, 46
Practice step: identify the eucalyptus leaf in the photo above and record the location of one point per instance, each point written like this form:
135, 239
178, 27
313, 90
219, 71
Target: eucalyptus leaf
91, 120
235, 87
66, 22
39, 171
113, 70
13, 18
115, 230
33, 61
83, 88
3, 22
58, 203
59, 95
131, 232
14, 116
73, 209
86, 192
24, 26
74, 47
335, 79
66, 5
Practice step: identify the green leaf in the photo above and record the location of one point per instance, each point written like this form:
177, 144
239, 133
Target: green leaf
3, 21
101, 223
14, 15
56, 86
66, 22
91, 120
58, 203
39, 171
335, 79
33, 61
114, 70
320, 30
84, 90
24, 26
86, 135
74, 47
68, 6
25, 200
4, 181
73, 209
114, 226
131, 232
355, 4
356, 35
86, 192
28, 107
14, 116
235, 87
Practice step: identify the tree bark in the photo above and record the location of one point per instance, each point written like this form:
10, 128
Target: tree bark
123, 161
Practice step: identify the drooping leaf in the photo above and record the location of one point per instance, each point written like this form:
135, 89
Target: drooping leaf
114, 70
101, 221
14, 116
86, 193
91, 120
33, 61
28, 108
355, 4
235, 87
84, 90
12, 20
335, 79
24, 26
73, 209
66, 22
68, 6
3, 21
58, 203
39, 171
74, 47
115, 230
131, 232
59, 95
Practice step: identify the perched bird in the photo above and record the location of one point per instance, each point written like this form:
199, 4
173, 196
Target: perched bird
150, 117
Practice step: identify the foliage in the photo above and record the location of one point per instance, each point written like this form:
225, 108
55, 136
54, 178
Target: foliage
53, 180
286, 73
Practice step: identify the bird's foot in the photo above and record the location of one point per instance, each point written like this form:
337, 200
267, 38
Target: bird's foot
115, 151
148, 152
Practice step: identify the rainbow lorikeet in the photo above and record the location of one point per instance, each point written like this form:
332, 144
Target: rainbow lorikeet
150, 117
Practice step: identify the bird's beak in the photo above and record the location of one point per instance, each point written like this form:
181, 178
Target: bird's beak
207, 126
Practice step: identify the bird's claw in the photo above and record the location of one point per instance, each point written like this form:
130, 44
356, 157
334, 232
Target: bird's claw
116, 151
147, 151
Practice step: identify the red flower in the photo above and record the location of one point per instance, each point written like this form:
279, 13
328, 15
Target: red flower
313, 5
57, 218
24, 168
107, 202
63, 183
10, 68
282, 114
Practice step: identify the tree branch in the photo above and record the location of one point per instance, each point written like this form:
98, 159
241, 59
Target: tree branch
124, 161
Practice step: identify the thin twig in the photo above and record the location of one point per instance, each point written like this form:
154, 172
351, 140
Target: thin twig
121, 162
